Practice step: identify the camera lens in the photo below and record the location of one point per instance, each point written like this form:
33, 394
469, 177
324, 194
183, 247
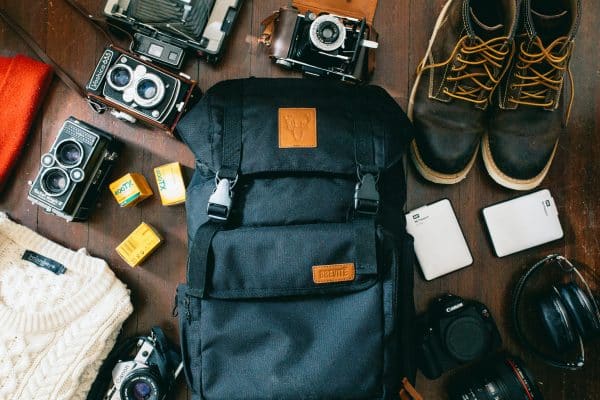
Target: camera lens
149, 91
327, 33
55, 182
497, 379
69, 153
142, 384
142, 391
120, 76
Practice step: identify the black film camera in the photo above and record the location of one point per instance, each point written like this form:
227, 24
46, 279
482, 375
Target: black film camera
165, 29
321, 45
150, 375
74, 170
454, 332
136, 90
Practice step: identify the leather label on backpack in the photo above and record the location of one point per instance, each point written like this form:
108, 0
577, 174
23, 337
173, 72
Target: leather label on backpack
297, 128
333, 273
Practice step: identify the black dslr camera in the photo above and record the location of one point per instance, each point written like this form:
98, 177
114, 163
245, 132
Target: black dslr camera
454, 332
150, 375
74, 170
321, 45
135, 89
165, 29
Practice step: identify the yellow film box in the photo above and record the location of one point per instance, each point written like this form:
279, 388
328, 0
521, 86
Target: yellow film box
139, 244
130, 189
170, 184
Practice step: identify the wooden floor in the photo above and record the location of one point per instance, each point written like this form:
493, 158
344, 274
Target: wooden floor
404, 27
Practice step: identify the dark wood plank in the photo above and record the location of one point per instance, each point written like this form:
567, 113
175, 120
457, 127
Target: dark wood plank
404, 27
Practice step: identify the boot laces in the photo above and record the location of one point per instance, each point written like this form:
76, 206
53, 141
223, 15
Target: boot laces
536, 83
473, 68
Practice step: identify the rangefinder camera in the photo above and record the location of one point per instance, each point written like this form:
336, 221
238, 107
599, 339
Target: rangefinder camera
74, 170
165, 29
321, 45
134, 89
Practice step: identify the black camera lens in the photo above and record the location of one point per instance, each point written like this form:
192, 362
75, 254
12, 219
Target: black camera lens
147, 89
142, 384
55, 181
503, 378
120, 76
328, 32
69, 153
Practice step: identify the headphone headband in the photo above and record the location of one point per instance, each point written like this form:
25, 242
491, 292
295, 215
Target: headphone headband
567, 267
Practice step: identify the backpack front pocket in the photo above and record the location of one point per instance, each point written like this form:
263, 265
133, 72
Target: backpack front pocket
266, 317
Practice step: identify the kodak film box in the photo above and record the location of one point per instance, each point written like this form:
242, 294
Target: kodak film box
170, 184
139, 244
130, 189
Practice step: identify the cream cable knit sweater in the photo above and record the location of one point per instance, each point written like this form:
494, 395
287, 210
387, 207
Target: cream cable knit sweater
55, 330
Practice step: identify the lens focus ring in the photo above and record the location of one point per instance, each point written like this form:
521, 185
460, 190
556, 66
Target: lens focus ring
119, 76
69, 153
327, 33
55, 182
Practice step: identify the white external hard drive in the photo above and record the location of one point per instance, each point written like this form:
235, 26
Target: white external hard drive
440, 245
523, 223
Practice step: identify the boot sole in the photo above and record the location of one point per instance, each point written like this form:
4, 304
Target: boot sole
504, 180
426, 171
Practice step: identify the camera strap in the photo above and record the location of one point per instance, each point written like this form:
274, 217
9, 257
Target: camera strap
61, 73
64, 76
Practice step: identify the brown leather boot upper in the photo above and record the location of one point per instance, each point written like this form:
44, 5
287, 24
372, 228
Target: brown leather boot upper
469, 51
530, 112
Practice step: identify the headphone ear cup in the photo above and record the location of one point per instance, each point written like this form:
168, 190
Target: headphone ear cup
580, 308
556, 320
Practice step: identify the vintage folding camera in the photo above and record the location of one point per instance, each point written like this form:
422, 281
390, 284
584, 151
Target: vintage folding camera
151, 373
74, 170
136, 90
165, 29
454, 332
321, 44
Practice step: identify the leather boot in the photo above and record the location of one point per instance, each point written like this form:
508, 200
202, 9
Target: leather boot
469, 50
530, 113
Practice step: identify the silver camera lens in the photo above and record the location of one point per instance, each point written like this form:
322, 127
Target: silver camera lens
55, 182
120, 76
149, 91
69, 153
327, 33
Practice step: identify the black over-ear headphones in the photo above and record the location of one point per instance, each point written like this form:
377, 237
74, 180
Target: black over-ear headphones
568, 313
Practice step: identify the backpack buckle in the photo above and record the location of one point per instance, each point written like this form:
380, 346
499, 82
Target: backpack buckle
219, 202
366, 196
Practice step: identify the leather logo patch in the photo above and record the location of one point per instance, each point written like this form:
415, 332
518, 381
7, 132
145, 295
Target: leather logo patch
333, 273
297, 128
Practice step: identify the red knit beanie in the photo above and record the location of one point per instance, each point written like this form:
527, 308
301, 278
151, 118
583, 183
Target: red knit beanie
23, 84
